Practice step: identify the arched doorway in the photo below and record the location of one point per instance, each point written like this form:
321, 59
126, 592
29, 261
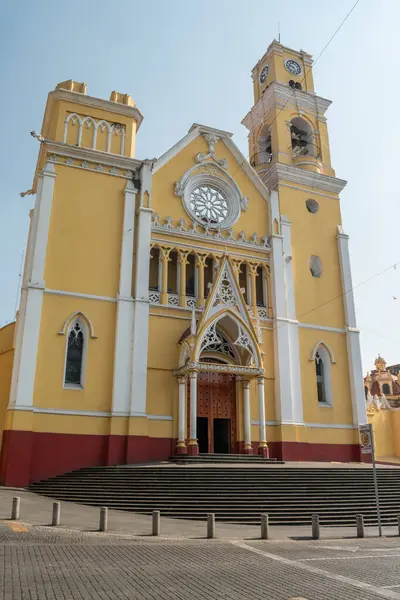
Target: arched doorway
216, 413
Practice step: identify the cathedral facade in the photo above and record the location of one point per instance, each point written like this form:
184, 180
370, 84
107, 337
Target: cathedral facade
198, 302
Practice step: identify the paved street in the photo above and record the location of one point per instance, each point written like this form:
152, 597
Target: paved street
77, 562
54, 564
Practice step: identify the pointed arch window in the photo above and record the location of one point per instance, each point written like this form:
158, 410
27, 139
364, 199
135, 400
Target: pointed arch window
323, 360
319, 368
75, 356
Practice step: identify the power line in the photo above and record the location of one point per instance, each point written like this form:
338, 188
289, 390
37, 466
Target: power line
307, 72
354, 287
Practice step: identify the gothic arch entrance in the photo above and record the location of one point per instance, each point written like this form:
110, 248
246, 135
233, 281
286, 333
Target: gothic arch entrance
216, 413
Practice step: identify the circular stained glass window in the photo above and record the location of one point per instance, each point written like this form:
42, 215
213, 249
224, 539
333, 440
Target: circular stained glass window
209, 205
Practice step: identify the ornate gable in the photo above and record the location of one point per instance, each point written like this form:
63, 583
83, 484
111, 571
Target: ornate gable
225, 293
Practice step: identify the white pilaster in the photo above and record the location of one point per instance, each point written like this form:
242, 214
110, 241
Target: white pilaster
352, 334
288, 394
246, 416
261, 410
125, 310
182, 413
28, 326
42, 220
193, 408
292, 324
141, 287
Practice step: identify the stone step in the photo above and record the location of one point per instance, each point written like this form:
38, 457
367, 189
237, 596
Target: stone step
235, 494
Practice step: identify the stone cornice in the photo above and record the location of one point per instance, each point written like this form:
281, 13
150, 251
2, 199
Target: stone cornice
279, 173
205, 129
278, 95
92, 156
99, 103
219, 368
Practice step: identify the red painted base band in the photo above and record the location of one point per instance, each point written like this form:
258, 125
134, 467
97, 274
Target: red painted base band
180, 450
263, 451
193, 450
30, 456
247, 451
301, 451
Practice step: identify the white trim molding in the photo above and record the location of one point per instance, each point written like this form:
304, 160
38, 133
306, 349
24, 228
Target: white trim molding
288, 388
88, 413
310, 425
281, 95
78, 295
97, 103
71, 317
327, 348
352, 333
122, 374
140, 335
28, 323
280, 172
321, 328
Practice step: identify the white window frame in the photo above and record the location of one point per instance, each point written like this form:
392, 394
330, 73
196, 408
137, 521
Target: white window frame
326, 358
86, 336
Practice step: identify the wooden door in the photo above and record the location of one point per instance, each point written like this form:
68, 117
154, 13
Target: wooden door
216, 400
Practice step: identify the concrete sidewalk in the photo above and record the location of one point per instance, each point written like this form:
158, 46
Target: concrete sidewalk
37, 510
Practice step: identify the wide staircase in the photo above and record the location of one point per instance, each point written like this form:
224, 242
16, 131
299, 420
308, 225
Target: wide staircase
235, 493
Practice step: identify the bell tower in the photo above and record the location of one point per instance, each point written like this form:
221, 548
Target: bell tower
312, 289
287, 123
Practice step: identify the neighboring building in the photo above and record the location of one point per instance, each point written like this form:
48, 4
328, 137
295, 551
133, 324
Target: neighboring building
189, 303
383, 381
382, 393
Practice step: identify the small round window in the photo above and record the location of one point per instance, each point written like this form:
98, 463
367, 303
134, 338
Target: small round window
312, 205
209, 205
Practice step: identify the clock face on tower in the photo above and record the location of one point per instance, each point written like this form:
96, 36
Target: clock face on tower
264, 74
293, 66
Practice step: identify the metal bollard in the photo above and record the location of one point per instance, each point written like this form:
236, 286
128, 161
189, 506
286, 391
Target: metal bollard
55, 520
156, 522
211, 526
16, 501
360, 526
264, 526
103, 518
315, 527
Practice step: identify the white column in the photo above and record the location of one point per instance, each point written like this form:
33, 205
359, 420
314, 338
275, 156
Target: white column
288, 394
262, 447
246, 417
125, 310
181, 445
28, 326
141, 296
193, 446
352, 333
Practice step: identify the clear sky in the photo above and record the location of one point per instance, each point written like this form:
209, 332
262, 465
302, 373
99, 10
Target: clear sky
185, 61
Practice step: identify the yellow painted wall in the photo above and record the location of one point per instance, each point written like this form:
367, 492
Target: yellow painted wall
49, 391
341, 410
384, 433
58, 110
315, 234
6, 364
84, 245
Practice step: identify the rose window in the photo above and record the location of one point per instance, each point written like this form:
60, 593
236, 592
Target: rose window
209, 205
